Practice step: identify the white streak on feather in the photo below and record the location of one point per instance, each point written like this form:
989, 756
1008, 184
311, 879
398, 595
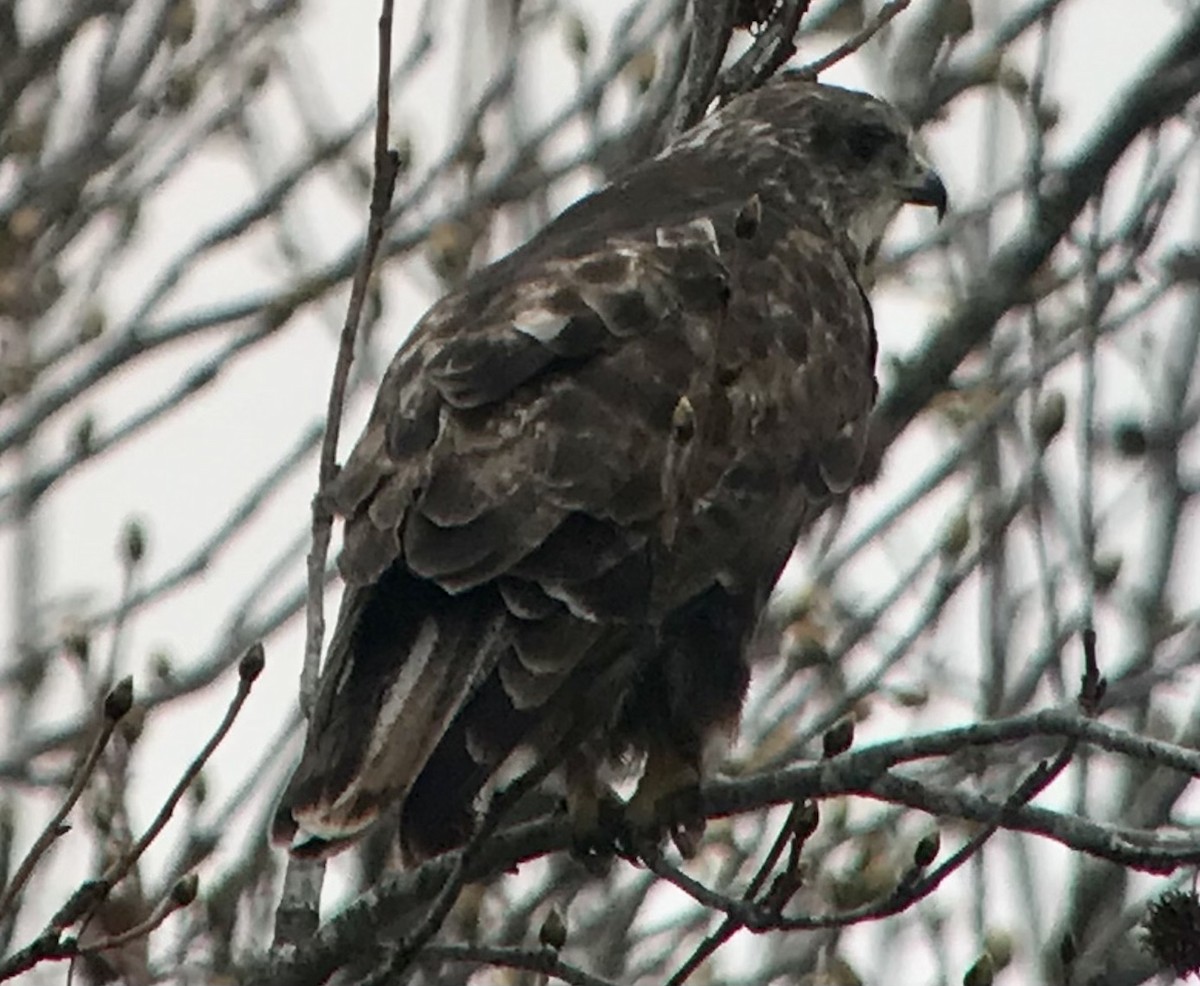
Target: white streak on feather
315, 824
571, 601
779, 310
390, 710
539, 324
702, 134
697, 232
400, 690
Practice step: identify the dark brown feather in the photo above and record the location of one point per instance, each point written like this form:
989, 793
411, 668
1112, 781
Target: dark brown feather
585, 470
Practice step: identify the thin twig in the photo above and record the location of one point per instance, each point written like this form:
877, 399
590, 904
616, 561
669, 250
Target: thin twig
244, 625
877, 23
91, 893
181, 895
787, 834
866, 772
131, 565
712, 27
384, 184
917, 886
249, 669
50, 946
770, 51
302, 881
417, 939
54, 828
1170, 79
913, 887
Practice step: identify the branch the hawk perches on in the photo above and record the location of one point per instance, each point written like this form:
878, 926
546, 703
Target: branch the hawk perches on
586, 468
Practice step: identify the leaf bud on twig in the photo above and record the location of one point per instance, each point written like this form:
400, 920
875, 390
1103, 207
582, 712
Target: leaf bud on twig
553, 932
1049, 418
927, 849
133, 542
956, 537
838, 738
185, 889
251, 664
982, 973
575, 33
180, 23
641, 69
807, 820
999, 945
119, 701
1105, 569
1129, 439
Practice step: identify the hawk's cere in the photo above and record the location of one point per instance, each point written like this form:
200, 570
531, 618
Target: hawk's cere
585, 470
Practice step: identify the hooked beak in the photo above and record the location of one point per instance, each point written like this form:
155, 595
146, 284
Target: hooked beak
928, 190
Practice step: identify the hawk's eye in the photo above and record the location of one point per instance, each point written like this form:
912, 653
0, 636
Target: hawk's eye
865, 141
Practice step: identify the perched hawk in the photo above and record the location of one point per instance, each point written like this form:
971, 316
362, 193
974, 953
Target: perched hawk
585, 470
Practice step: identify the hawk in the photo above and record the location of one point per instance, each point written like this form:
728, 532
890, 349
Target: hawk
586, 468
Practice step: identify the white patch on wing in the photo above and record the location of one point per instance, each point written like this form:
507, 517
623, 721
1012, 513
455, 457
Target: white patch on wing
539, 324
698, 232
702, 134
779, 310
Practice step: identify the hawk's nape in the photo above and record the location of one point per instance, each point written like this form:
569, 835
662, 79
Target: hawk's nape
585, 470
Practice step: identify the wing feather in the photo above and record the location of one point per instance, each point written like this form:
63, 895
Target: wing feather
434, 479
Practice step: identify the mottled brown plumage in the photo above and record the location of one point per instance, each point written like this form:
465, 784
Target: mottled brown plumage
585, 470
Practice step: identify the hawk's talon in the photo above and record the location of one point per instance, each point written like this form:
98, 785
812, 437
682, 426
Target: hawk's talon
676, 813
687, 820
629, 830
596, 832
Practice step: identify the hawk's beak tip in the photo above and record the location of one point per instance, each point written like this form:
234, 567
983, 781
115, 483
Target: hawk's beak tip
930, 190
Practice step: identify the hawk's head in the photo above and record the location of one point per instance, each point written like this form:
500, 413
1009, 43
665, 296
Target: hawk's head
844, 155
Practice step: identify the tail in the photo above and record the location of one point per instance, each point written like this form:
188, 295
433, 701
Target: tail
405, 659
